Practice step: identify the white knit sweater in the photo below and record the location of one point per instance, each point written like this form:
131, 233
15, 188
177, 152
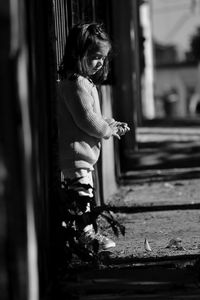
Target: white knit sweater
81, 125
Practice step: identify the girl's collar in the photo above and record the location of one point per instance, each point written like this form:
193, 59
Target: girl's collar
74, 76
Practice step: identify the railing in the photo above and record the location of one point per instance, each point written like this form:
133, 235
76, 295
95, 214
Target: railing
70, 12
61, 27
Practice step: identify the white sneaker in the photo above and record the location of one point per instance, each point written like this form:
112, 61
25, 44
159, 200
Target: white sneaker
90, 237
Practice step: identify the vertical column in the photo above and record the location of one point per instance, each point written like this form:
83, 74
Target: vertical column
148, 78
124, 79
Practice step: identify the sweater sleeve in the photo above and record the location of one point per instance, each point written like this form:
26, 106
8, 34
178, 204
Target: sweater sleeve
109, 120
80, 104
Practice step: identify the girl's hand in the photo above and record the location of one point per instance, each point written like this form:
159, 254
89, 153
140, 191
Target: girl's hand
114, 128
122, 128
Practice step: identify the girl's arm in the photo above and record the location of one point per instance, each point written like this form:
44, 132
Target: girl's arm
80, 104
122, 127
109, 120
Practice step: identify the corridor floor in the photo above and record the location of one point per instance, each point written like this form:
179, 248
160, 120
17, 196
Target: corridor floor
159, 196
158, 200
159, 212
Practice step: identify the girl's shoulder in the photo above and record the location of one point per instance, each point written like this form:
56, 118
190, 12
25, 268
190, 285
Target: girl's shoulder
84, 82
76, 83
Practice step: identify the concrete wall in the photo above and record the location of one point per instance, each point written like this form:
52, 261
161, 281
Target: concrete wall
108, 155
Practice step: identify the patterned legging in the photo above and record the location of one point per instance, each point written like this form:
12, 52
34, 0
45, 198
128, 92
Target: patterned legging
80, 182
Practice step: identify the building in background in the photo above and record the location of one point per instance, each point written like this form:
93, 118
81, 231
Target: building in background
173, 25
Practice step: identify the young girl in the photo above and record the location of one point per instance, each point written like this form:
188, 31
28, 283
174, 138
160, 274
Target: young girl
81, 125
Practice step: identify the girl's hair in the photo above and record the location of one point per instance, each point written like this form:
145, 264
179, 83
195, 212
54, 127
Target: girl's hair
82, 40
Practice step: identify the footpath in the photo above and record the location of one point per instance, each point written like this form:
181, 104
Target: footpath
159, 211
159, 200
159, 204
167, 214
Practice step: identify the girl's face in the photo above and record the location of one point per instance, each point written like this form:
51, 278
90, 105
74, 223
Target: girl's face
95, 59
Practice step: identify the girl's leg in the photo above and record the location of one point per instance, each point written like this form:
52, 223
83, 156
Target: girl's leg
81, 182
